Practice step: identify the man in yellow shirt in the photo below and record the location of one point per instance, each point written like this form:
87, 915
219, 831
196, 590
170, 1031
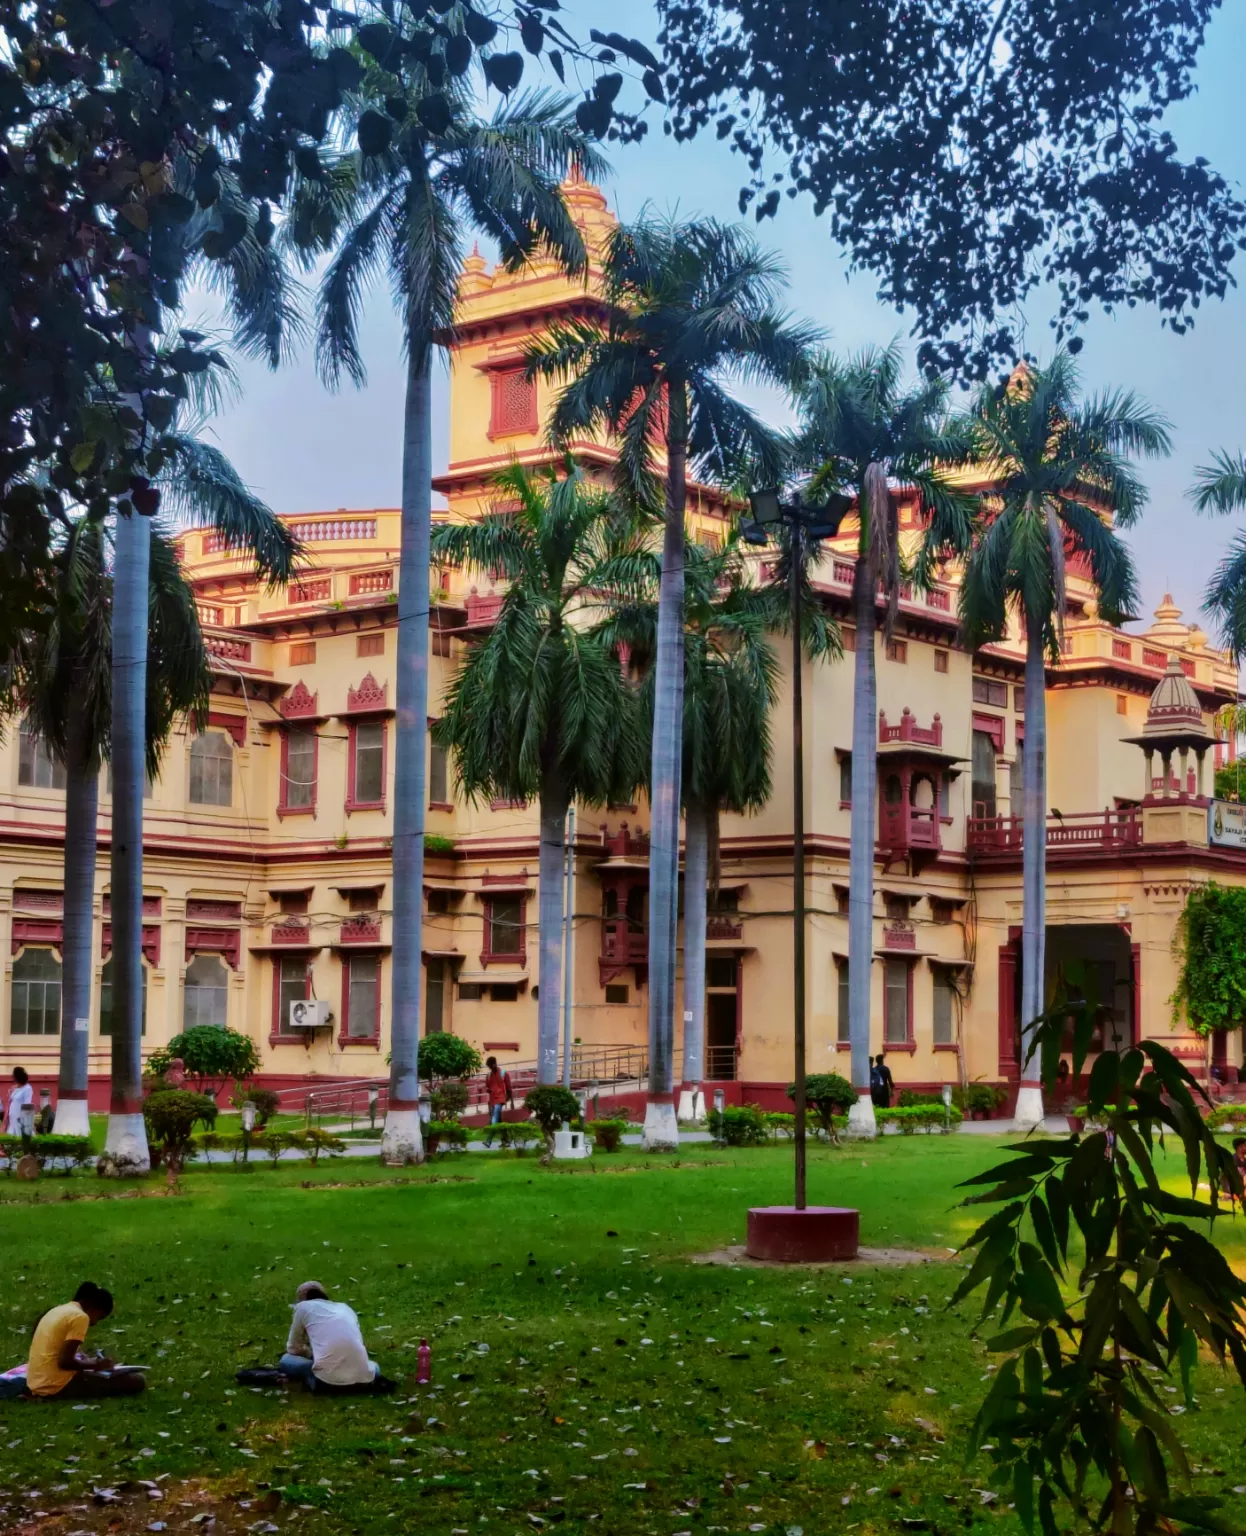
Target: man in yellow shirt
58, 1368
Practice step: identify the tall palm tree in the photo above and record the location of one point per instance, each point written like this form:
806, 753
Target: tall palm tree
428, 170
541, 708
1221, 489
1062, 484
688, 307
67, 683
861, 433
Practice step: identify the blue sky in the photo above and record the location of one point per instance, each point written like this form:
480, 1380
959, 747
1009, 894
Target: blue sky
306, 450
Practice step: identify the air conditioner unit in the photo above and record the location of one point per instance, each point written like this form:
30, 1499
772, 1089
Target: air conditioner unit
309, 1013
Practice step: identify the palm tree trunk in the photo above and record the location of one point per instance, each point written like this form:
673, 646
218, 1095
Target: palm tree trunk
81, 811
550, 897
402, 1141
696, 903
661, 1129
861, 1120
1033, 873
125, 1148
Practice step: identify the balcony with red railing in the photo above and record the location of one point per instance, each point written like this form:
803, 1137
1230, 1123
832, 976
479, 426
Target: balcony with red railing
723, 926
624, 943
908, 730
1107, 831
482, 611
624, 844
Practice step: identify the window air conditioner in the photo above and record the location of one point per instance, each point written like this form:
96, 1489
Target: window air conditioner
309, 1013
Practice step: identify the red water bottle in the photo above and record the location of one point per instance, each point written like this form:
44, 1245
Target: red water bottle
423, 1363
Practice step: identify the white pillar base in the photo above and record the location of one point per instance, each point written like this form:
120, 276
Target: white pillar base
691, 1106
571, 1145
661, 1129
1029, 1111
402, 1141
862, 1126
71, 1118
125, 1147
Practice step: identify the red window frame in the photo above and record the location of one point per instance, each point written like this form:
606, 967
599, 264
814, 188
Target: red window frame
506, 419
344, 1036
278, 1033
352, 732
488, 955
909, 1043
284, 808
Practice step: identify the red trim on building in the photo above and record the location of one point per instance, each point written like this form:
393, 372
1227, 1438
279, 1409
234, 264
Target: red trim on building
344, 1038
284, 808
488, 955
234, 725
226, 942
38, 931
151, 943
278, 1035
992, 726
1009, 958
352, 728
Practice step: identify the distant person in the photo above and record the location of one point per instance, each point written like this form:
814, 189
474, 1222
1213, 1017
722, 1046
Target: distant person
46, 1118
57, 1365
22, 1095
500, 1094
881, 1083
325, 1347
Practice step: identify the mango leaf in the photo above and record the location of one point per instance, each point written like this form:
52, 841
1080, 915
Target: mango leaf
1187, 1359
1015, 1338
1058, 1208
504, 71
378, 39
434, 114
1023, 1493
1104, 1077
991, 1256
375, 132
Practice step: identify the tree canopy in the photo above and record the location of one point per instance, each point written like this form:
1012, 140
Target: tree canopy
969, 152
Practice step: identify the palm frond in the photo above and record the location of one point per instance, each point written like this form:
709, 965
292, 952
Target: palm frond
201, 487
1220, 487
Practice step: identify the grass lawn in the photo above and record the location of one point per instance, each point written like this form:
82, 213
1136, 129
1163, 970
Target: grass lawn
585, 1375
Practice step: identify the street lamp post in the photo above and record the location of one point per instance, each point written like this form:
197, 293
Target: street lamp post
806, 526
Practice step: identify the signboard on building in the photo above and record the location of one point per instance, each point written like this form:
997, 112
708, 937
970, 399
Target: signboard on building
1226, 824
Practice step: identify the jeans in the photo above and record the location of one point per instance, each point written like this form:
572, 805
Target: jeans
495, 1118
88, 1384
299, 1368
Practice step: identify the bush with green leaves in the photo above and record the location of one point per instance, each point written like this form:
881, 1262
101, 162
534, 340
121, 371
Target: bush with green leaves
1102, 1283
273, 1144
1210, 943
518, 1134
211, 1056
443, 1055
979, 1098
314, 1141
267, 1103
780, 1124
63, 1152
908, 1097
738, 1125
826, 1094
171, 1115
444, 1136
607, 1134
550, 1104
448, 1100
911, 1118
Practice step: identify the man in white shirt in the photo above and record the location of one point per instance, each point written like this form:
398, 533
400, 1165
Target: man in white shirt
22, 1095
326, 1345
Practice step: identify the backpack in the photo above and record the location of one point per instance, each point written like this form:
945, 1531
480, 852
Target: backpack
877, 1081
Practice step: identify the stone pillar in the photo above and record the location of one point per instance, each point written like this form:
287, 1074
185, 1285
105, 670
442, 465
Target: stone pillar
1148, 758
1166, 768
1199, 757
1183, 783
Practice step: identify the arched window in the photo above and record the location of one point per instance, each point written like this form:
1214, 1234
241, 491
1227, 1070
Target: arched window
106, 999
36, 1005
207, 992
212, 769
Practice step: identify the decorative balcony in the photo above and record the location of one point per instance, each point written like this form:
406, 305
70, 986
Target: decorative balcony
624, 943
912, 769
908, 730
1093, 831
723, 926
624, 844
482, 612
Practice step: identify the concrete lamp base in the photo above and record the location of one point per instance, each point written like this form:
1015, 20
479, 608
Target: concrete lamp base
820, 1234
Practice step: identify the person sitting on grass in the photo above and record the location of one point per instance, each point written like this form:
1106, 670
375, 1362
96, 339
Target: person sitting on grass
58, 1368
325, 1347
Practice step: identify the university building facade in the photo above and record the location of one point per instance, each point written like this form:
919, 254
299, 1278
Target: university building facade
267, 863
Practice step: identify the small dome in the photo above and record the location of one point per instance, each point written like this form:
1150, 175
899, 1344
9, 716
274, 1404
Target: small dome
1174, 704
1168, 623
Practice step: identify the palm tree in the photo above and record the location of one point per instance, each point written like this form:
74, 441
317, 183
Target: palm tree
861, 432
541, 708
437, 172
68, 687
1221, 488
687, 307
1061, 484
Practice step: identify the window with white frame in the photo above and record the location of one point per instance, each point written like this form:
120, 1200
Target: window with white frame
36, 767
206, 998
36, 994
212, 769
944, 1016
363, 994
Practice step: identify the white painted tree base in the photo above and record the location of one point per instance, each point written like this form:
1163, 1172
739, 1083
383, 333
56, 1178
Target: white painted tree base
1029, 1111
691, 1106
402, 1141
661, 1129
72, 1118
125, 1147
862, 1126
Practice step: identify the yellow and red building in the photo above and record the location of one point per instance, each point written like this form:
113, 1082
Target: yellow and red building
267, 865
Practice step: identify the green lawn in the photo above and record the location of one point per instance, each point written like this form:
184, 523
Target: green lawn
585, 1375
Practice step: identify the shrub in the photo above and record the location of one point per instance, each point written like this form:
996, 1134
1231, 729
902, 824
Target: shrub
607, 1134
67, 1152
274, 1143
741, 1125
910, 1096
449, 1100
979, 1098
267, 1103
314, 1141
171, 1115
210, 1055
519, 1134
915, 1117
825, 1093
444, 1055
551, 1104
778, 1123
442, 1135
1224, 1117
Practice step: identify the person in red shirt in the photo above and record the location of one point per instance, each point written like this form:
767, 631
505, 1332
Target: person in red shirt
498, 1089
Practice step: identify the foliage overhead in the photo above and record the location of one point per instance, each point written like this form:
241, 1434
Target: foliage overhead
1210, 945
445, 1055
1221, 488
210, 1054
1058, 464
1099, 1281
969, 152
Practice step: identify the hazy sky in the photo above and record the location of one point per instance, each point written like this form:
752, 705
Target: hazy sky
307, 450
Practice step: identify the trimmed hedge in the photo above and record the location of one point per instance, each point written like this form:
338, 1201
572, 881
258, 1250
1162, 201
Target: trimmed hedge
742, 1125
65, 1152
915, 1117
607, 1134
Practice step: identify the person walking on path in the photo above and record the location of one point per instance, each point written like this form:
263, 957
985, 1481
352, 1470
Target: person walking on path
500, 1094
881, 1083
22, 1095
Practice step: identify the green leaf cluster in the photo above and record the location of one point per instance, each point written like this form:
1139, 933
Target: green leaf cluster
209, 1054
550, 1104
444, 1055
1099, 1283
1210, 944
